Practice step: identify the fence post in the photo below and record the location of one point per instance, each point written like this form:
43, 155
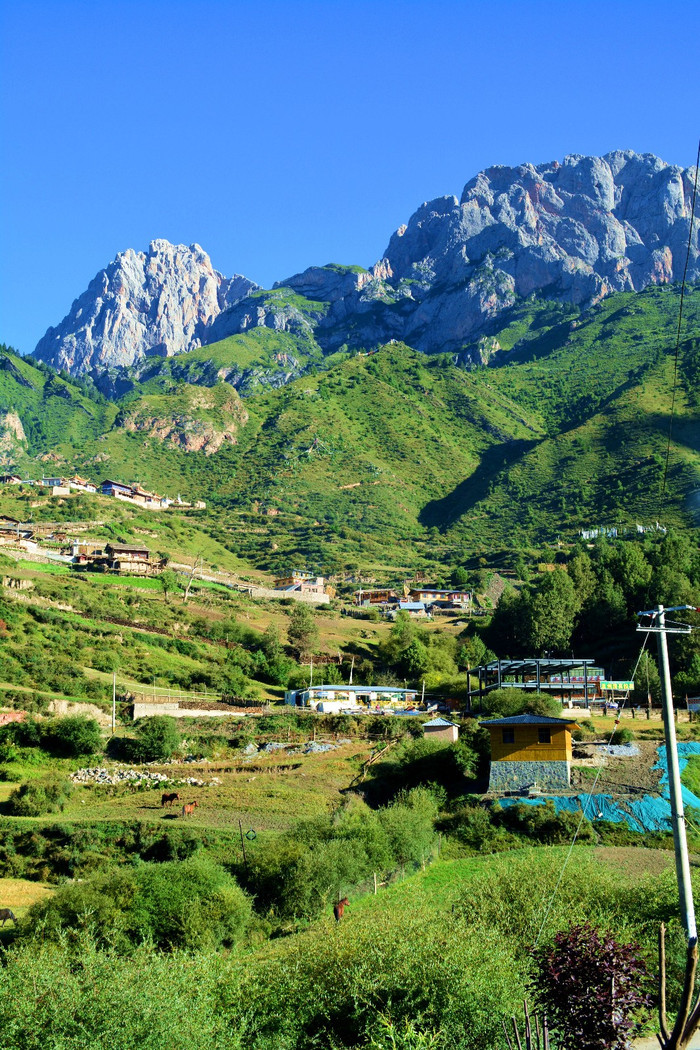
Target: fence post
374, 876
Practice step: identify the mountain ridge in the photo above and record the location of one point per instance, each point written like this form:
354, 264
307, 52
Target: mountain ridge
573, 232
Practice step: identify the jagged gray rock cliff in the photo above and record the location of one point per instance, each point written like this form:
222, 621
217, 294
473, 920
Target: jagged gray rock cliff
573, 231
158, 302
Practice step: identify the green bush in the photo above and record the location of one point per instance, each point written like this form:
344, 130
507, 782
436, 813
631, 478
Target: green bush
502, 703
622, 736
542, 823
586, 730
157, 739
303, 871
193, 904
36, 798
72, 736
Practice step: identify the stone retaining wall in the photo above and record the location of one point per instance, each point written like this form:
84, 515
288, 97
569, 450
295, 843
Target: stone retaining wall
512, 776
143, 710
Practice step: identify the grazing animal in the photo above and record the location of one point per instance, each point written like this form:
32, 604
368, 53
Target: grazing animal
167, 798
188, 808
5, 914
339, 908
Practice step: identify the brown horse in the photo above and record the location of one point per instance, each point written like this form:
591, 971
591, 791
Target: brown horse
339, 908
188, 808
167, 798
5, 914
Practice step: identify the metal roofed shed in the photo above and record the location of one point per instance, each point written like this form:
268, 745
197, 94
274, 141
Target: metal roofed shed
441, 729
529, 751
573, 681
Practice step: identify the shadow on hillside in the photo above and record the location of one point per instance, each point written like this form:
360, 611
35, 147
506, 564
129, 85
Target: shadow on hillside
463, 498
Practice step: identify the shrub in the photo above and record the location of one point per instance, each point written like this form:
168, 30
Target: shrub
35, 798
542, 823
193, 904
72, 736
589, 986
157, 739
502, 703
622, 736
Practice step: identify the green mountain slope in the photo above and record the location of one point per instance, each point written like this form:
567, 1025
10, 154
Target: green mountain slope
57, 415
395, 458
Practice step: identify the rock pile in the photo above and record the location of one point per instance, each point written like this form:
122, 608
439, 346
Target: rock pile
140, 777
99, 775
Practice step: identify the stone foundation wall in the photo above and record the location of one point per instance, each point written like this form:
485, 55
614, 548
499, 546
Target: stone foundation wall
144, 710
512, 776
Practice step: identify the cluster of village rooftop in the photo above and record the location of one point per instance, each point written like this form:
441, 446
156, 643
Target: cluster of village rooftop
135, 494
421, 601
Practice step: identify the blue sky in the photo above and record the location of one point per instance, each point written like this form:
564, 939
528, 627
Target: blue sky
284, 134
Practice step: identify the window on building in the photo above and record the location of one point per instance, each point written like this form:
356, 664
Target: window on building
508, 736
544, 736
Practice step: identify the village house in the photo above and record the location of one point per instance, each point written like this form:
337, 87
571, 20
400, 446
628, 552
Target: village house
302, 583
80, 484
56, 486
446, 598
143, 498
128, 558
529, 752
572, 681
132, 559
378, 596
415, 610
147, 499
87, 553
333, 698
117, 489
10, 528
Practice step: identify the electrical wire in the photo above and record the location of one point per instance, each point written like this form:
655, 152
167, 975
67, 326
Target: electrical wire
588, 800
680, 320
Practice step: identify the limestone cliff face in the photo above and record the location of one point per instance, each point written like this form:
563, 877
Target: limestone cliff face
574, 231
158, 302
13, 440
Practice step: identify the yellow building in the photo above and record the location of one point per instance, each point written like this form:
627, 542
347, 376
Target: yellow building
529, 751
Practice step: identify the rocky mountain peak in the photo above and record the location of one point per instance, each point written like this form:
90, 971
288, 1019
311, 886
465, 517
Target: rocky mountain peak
158, 302
573, 231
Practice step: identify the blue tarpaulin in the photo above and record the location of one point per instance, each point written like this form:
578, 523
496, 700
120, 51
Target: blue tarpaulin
648, 813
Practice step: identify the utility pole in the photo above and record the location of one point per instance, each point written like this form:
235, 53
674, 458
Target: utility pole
352, 668
688, 1014
680, 843
114, 701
